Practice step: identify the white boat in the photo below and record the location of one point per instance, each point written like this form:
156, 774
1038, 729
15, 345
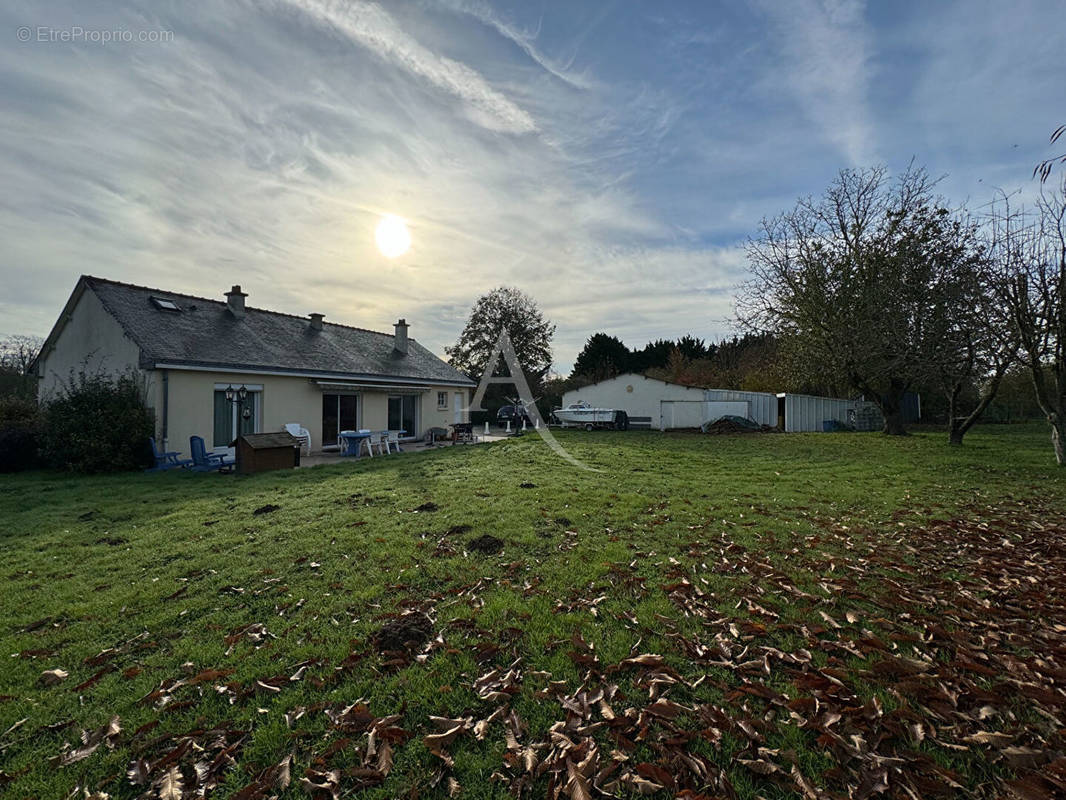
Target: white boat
585, 416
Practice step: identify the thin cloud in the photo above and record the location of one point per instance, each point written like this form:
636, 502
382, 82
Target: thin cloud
827, 50
525, 41
370, 26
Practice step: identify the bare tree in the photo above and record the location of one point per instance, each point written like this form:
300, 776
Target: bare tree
855, 284
976, 348
975, 343
1043, 169
1033, 250
17, 353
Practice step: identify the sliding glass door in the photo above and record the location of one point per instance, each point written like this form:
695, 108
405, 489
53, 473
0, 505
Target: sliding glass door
340, 412
403, 413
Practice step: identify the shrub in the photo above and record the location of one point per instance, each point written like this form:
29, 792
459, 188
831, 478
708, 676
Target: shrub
98, 423
20, 431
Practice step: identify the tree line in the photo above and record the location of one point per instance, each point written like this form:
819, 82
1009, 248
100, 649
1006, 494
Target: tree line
738, 362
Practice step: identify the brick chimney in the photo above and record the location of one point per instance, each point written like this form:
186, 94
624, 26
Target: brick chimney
235, 301
400, 342
316, 322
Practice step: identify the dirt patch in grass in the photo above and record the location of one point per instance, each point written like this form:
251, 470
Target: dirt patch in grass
269, 508
408, 632
426, 508
112, 541
487, 544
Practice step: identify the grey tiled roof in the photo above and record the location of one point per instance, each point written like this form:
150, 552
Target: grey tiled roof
205, 333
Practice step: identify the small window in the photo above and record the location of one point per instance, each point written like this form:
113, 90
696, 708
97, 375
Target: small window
442, 399
163, 304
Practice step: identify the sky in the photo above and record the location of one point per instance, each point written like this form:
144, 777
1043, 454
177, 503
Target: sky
610, 159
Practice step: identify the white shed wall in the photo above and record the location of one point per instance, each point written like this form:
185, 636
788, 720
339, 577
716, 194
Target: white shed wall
670, 405
762, 406
635, 394
713, 409
681, 414
693, 413
805, 413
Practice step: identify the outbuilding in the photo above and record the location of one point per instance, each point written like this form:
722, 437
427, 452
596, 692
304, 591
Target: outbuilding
762, 407
653, 403
804, 413
649, 402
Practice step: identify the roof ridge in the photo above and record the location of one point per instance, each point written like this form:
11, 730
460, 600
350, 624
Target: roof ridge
91, 278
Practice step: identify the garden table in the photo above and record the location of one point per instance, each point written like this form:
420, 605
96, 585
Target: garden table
352, 442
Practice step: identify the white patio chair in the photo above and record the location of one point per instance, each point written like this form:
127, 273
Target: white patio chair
301, 434
394, 440
380, 440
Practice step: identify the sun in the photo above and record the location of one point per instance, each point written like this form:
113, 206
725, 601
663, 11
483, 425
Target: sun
392, 236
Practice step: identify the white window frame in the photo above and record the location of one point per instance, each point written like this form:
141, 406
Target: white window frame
442, 406
409, 435
358, 415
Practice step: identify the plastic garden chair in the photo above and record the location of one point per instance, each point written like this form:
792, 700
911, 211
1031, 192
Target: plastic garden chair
168, 459
300, 433
203, 461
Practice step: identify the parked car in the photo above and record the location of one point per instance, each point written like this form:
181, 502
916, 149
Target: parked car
516, 415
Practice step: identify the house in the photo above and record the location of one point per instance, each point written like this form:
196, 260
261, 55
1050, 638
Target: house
195, 354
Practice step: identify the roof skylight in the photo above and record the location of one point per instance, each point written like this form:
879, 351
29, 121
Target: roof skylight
165, 304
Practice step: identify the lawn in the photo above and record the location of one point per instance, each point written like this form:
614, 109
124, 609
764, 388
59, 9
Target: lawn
806, 615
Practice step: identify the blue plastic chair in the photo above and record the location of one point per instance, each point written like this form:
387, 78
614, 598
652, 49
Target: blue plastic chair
203, 461
168, 459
